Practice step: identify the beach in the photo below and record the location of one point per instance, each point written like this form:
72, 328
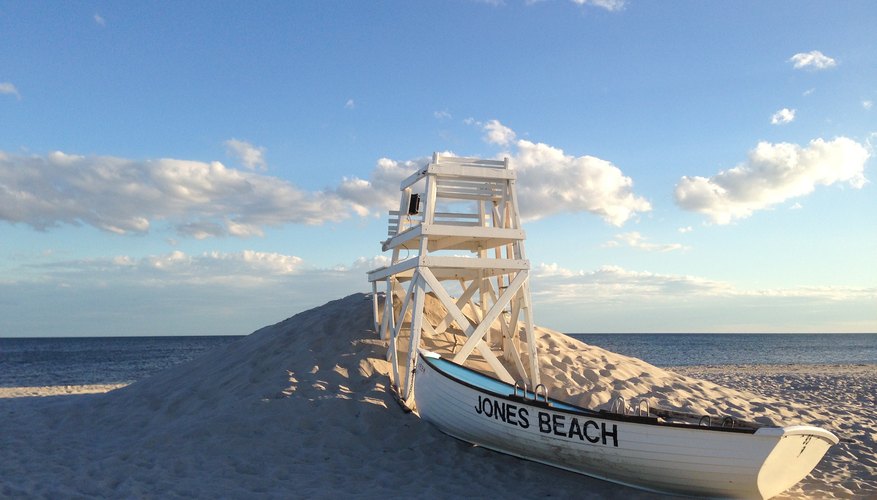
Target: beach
300, 409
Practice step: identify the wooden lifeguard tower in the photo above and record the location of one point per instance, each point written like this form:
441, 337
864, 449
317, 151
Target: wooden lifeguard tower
457, 231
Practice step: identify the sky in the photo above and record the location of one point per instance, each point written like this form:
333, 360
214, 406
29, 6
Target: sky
209, 168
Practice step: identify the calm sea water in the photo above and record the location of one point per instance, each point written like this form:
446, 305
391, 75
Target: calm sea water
74, 361
740, 349
95, 360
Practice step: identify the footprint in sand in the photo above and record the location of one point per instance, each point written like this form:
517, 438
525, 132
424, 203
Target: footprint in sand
580, 379
592, 375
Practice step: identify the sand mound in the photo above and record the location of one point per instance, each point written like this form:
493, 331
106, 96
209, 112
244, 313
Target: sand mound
593, 377
300, 409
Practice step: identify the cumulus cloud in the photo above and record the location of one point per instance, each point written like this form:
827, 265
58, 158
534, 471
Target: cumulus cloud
783, 116
773, 174
9, 89
442, 115
99, 19
350, 104
550, 182
814, 60
497, 133
868, 104
610, 5
634, 239
203, 200
381, 191
127, 196
252, 157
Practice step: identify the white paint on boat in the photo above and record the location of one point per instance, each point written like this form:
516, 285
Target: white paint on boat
635, 451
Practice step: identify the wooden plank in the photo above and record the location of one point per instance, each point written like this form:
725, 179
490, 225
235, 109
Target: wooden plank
383, 273
463, 196
405, 236
472, 172
444, 229
472, 161
491, 316
468, 292
451, 307
411, 179
456, 215
414, 340
505, 265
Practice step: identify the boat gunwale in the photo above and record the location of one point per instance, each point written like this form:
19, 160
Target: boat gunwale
577, 410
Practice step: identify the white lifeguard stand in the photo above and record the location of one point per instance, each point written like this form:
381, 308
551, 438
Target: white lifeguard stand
458, 230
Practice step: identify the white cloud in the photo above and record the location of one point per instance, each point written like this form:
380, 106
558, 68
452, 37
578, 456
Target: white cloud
236, 269
610, 5
203, 200
614, 299
381, 191
636, 240
612, 283
174, 293
772, 174
350, 104
686, 229
551, 182
557, 284
442, 115
868, 104
783, 116
9, 89
498, 134
128, 196
99, 19
252, 157
814, 60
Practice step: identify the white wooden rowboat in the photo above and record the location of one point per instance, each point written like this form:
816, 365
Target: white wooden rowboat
639, 451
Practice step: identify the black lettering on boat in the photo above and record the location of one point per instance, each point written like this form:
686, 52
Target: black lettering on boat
558, 425
523, 418
567, 426
499, 410
505, 412
575, 429
544, 422
591, 439
510, 410
614, 434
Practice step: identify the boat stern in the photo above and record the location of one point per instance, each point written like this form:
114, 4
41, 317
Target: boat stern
798, 450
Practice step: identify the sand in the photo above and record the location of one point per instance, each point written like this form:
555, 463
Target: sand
300, 410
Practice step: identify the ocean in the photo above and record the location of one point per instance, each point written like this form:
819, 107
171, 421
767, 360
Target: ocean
663, 349
35, 362
26, 362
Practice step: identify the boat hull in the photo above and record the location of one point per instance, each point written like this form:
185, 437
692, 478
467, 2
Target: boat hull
632, 451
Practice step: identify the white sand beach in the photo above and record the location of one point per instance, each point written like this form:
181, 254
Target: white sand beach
300, 410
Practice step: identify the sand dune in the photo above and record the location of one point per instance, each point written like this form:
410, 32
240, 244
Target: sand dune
300, 410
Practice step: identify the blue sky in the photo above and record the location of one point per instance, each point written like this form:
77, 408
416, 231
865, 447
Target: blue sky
213, 167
